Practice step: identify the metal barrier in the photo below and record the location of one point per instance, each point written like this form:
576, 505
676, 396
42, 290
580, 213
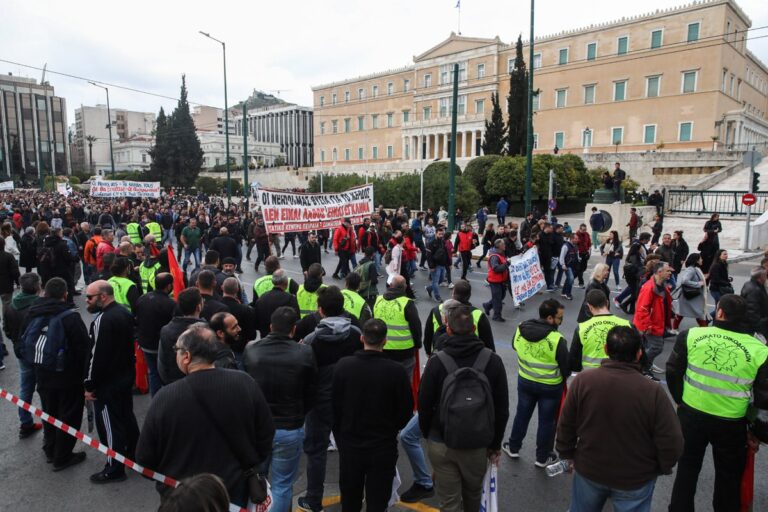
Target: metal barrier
723, 202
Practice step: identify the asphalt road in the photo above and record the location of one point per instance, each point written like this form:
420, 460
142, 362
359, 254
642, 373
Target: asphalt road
29, 484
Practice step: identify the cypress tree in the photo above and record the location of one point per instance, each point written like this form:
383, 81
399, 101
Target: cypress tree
158, 153
493, 142
517, 105
185, 157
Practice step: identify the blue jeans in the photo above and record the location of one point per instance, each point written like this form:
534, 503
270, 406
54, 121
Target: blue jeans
595, 239
377, 261
529, 394
438, 274
568, 286
497, 296
155, 383
284, 461
716, 296
614, 263
28, 381
318, 433
166, 236
589, 496
195, 253
410, 438
88, 272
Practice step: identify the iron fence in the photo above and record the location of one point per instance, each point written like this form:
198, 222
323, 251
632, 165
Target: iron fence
722, 202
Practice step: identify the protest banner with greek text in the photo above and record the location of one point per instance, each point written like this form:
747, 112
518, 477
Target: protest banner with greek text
119, 188
526, 276
6, 185
285, 211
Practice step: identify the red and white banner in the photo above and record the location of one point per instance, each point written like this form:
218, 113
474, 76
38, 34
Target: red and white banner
286, 211
119, 188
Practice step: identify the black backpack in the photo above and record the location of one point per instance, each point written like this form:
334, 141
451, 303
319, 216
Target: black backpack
44, 342
467, 415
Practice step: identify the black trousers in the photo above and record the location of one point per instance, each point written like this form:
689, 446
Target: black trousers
65, 404
343, 266
423, 250
117, 425
370, 469
466, 261
729, 451
262, 251
583, 261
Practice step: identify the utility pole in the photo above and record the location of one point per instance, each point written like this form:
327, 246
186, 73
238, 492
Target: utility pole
246, 188
529, 134
452, 170
752, 163
109, 126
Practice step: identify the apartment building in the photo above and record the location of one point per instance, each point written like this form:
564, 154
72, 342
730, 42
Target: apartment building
33, 130
211, 119
677, 79
290, 126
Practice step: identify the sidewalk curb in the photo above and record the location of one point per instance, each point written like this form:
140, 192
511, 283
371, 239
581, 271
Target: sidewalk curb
746, 256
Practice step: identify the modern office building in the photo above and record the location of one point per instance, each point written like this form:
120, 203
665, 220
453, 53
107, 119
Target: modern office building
33, 130
287, 125
211, 119
680, 78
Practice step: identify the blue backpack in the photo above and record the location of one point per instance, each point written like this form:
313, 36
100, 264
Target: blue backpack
44, 342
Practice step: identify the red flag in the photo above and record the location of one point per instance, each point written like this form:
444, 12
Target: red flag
748, 482
562, 401
178, 275
416, 380
142, 382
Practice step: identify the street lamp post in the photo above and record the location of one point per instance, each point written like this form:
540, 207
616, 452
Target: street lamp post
226, 114
529, 134
109, 125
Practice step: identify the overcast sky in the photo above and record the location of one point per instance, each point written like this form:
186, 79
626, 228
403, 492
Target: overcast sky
289, 45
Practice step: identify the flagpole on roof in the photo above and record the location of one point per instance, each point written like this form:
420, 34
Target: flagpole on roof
458, 6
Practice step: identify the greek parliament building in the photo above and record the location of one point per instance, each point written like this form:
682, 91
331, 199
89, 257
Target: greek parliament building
33, 130
287, 125
675, 78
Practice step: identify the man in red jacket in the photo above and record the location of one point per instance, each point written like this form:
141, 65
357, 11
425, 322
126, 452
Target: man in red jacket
465, 242
583, 246
344, 245
653, 315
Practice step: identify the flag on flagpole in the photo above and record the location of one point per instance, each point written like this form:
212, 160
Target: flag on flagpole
178, 275
458, 4
415, 381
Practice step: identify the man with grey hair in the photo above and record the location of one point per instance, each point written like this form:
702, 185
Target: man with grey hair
754, 294
225, 245
233, 420
275, 298
245, 315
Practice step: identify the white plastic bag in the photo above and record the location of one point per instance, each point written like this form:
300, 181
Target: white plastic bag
261, 507
490, 500
396, 482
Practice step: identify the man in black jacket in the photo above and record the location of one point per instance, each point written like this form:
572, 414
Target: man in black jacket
754, 294
435, 326
14, 315
275, 298
210, 262
225, 245
309, 252
153, 311
55, 260
233, 427
110, 378
245, 315
190, 304
460, 473
335, 337
286, 373
9, 276
61, 392
206, 283
438, 259
372, 402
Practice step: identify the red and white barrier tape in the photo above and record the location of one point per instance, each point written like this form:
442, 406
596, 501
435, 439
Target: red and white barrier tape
109, 452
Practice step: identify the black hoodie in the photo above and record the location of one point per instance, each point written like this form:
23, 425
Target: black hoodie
77, 351
536, 330
166, 355
464, 350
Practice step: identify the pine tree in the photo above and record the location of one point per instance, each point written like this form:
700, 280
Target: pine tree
493, 142
158, 153
517, 105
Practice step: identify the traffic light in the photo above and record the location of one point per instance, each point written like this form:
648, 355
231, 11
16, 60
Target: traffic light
755, 182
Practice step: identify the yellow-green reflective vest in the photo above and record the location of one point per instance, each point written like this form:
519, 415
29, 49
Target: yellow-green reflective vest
722, 366
353, 303
148, 276
392, 313
120, 285
437, 320
134, 231
593, 333
536, 361
155, 230
307, 301
264, 284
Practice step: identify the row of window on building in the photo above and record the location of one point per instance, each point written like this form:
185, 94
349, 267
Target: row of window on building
649, 136
361, 155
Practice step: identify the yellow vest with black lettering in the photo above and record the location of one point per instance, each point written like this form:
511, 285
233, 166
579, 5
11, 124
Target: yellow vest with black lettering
307, 301
392, 313
264, 284
353, 303
148, 276
134, 231
120, 285
536, 361
155, 230
593, 334
722, 366
437, 320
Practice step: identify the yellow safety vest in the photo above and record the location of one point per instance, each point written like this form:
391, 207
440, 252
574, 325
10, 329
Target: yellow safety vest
148, 276
437, 319
353, 303
536, 361
264, 284
307, 301
155, 230
593, 334
392, 313
120, 285
134, 231
722, 366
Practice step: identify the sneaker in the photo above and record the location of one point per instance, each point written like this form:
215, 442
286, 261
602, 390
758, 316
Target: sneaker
656, 369
295, 256
74, 458
671, 332
304, 504
618, 289
424, 269
498, 319
515, 454
336, 276
550, 290
28, 429
487, 309
417, 493
2, 366
650, 376
616, 302
552, 459
580, 286
450, 286
429, 291
281, 257
567, 297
